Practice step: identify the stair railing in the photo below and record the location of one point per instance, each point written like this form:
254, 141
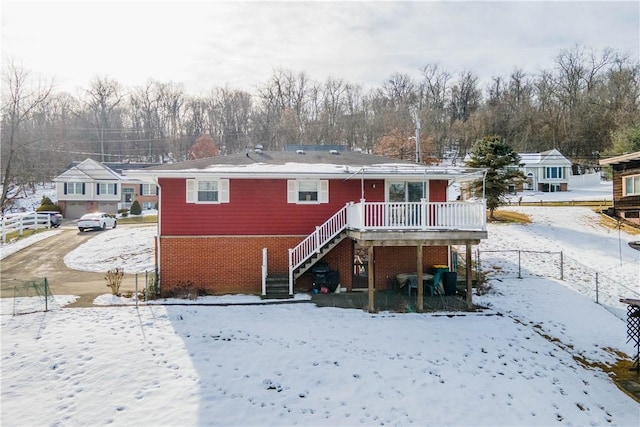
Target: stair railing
264, 271
314, 242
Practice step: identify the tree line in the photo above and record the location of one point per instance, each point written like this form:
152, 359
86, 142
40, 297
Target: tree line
586, 104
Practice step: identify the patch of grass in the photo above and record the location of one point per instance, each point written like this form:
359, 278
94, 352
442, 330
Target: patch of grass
620, 372
147, 219
593, 203
608, 222
510, 217
15, 235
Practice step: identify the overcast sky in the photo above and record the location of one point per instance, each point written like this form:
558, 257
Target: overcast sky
210, 44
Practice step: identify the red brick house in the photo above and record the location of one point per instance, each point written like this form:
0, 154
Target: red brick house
235, 224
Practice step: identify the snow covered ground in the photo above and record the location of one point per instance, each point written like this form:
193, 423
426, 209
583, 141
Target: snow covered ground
517, 362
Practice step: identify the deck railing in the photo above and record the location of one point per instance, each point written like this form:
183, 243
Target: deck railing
373, 216
379, 216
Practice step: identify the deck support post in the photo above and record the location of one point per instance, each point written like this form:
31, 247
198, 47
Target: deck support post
468, 276
420, 290
371, 280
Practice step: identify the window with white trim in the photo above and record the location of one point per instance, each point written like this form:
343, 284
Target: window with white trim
553, 172
207, 191
109, 188
148, 205
631, 185
311, 191
74, 188
148, 189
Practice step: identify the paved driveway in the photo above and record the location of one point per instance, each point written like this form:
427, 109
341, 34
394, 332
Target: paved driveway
45, 259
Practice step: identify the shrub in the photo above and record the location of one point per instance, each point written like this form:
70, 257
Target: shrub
135, 208
114, 280
47, 205
123, 212
46, 201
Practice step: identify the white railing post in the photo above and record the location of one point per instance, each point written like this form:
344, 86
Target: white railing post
424, 206
264, 271
318, 238
363, 224
291, 271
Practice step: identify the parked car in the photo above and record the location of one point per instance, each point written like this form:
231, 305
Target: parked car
96, 221
54, 217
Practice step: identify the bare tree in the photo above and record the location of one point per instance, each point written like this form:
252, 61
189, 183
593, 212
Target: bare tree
400, 91
284, 107
144, 113
333, 94
434, 113
465, 96
171, 101
354, 117
19, 102
104, 96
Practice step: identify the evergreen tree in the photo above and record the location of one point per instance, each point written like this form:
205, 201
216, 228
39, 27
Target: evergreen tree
501, 162
135, 208
47, 205
625, 140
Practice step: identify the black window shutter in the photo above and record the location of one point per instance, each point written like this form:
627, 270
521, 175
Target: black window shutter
157, 190
97, 189
141, 187
115, 188
65, 188
83, 187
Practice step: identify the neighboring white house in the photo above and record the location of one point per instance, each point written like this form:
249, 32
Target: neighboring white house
548, 171
90, 186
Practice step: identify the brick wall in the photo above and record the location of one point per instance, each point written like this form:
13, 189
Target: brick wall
221, 265
393, 260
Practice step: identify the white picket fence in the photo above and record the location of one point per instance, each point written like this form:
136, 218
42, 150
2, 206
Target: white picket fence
23, 221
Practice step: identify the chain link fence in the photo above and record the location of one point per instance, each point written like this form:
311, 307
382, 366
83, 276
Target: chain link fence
30, 297
603, 288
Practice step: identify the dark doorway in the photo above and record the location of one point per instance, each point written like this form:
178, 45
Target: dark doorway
360, 267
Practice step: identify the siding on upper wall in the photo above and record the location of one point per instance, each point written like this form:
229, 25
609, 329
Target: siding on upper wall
256, 207
620, 171
438, 191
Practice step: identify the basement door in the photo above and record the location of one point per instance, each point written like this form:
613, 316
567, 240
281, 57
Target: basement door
360, 267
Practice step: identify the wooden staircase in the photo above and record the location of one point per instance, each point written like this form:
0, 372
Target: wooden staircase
325, 249
277, 284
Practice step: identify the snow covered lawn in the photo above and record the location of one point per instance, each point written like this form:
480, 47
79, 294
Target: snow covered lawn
298, 364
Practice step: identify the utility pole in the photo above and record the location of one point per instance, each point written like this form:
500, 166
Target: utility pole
416, 120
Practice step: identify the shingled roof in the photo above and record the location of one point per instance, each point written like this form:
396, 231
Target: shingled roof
303, 163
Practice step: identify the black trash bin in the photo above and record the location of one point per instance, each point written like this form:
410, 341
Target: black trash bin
333, 278
449, 281
320, 273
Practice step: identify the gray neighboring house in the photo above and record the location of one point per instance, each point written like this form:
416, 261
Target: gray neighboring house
548, 171
91, 186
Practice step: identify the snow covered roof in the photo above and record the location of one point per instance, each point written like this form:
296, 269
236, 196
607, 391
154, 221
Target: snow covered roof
88, 170
91, 170
302, 163
549, 157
